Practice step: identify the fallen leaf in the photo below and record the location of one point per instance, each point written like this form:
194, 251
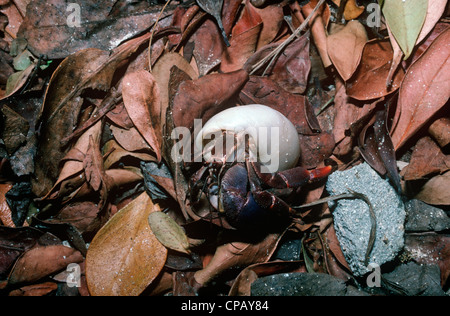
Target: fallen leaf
141, 98
46, 26
345, 48
435, 10
369, 80
237, 254
405, 20
214, 7
426, 159
244, 40
42, 261
430, 249
168, 232
435, 191
440, 131
352, 10
206, 96
125, 256
5, 211
35, 289
424, 91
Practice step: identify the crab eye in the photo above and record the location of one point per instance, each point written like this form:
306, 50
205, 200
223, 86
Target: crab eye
272, 139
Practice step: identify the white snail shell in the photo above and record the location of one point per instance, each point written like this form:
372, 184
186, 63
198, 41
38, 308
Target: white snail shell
280, 147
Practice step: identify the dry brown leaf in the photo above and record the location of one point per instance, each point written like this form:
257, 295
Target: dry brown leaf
369, 80
345, 48
237, 254
427, 158
436, 191
352, 10
5, 211
125, 256
42, 261
424, 91
141, 97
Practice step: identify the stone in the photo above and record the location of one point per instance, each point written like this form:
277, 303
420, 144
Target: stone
352, 220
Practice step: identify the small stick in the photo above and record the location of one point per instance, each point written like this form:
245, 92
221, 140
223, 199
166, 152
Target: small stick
352, 195
274, 54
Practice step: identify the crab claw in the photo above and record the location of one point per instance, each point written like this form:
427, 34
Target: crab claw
320, 173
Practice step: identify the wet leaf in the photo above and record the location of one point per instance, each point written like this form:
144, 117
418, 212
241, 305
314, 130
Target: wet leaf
168, 232
142, 100
424, 91
125, 256
405, 19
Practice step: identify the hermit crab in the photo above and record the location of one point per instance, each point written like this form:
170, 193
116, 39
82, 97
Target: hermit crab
250, 155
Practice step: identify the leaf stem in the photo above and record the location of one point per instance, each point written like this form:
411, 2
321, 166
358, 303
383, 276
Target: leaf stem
274, 54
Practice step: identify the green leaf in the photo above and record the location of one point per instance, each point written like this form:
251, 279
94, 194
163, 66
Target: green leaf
405, 19
168, 232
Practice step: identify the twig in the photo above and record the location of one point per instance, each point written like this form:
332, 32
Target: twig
153, 32
274, 54
352, 195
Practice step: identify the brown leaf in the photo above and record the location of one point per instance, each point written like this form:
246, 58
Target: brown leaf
244, 40
345, 48
49, 34
142, 100
42, 261
205, 97
369, 80
440, 130
242, 284
237, 254
125, 256
318, 25
35, 289
427, 158
430, 249
292, 68
435, 191
352, 10
5, 211
424, 91
273, 19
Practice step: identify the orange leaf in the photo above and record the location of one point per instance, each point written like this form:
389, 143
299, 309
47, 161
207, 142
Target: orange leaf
352, 10
5, 211
142, 100
125, 256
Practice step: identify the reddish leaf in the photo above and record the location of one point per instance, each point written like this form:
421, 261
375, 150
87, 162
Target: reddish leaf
143, 103
427, 158
424, 91
125, 256
369, 80
205, 97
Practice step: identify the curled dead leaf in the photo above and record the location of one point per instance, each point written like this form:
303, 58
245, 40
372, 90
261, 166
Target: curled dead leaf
125, 256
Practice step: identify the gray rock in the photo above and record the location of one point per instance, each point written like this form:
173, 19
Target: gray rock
302, 284
416, 279
352, 220
422, 217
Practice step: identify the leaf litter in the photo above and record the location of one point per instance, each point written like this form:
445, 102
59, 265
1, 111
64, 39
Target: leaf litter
87, 121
